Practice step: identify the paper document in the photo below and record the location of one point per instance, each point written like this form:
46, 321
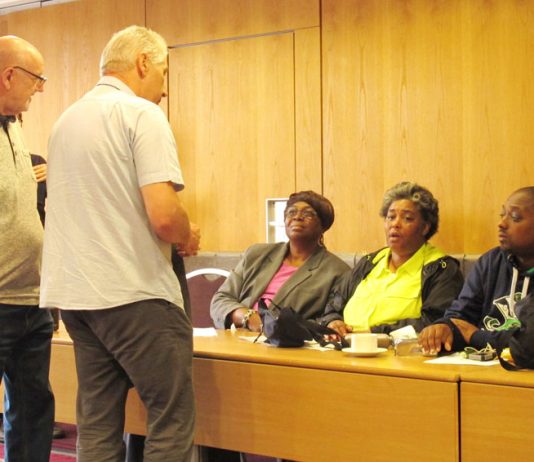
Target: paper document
458, 358
204, 332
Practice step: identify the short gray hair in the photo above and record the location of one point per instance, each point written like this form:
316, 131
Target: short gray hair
420, 196
125, 46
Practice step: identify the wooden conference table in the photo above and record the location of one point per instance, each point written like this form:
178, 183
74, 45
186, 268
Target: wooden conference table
303, 404
314, 405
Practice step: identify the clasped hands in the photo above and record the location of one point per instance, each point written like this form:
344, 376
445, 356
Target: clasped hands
193, 245
432, 338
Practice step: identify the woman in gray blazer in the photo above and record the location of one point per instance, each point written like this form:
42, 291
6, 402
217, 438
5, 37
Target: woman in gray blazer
297, 274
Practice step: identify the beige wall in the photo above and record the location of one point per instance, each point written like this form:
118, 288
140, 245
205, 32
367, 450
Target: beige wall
341, 96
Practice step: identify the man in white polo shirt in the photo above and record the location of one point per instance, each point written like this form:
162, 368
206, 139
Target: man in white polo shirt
112, 215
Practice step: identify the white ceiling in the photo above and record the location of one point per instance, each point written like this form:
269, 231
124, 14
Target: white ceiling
8, 6
8, 3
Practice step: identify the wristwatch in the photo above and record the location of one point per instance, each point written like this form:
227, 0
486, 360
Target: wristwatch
246, 317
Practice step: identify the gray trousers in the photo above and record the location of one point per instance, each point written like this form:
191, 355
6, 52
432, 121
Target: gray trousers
148, 345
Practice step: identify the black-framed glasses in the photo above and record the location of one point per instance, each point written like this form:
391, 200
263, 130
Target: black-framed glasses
41, 78
305, 214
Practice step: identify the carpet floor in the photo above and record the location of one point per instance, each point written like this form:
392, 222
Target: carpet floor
63, 449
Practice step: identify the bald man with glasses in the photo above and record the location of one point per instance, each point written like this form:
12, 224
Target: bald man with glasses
25, 330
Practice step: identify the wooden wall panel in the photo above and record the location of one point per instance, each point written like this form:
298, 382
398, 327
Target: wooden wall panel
192, 21
71, 37
308, 131
392, 97
352, 122
232, 112
434, 91
422, 106
498, 115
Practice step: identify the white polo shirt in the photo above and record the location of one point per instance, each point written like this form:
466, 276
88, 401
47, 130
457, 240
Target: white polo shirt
99, 248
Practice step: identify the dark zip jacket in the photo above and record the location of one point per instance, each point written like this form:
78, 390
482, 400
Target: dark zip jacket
485, 299
441, 281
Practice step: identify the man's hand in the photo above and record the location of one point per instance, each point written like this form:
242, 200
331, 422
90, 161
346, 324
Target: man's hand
40, 172
467, 329
433, 337
193, 245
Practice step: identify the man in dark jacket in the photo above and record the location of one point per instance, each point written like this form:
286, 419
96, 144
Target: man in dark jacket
485, 307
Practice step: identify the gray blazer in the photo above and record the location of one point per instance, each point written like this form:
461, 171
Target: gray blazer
306, 291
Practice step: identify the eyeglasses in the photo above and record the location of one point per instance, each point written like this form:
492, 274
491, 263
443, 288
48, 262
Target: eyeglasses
305, 214
41, 78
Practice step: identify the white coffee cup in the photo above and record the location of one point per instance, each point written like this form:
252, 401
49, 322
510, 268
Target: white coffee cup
363, 343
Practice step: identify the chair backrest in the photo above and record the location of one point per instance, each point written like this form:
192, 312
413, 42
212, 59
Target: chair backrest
202, 284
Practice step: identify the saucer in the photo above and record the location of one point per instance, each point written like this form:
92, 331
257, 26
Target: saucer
364, 354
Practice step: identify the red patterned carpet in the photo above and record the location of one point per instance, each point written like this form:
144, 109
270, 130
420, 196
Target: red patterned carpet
63, 449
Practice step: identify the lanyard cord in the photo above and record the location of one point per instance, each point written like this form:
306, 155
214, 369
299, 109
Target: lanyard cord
5, 127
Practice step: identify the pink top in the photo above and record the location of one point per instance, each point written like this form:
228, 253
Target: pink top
279, 279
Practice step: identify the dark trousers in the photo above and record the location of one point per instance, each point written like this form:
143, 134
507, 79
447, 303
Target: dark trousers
135, 444
25, 342
148, 345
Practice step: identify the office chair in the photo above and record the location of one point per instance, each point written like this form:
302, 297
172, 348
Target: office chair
202, 284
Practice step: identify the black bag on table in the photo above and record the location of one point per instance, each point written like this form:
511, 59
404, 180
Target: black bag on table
285, 328
520, 340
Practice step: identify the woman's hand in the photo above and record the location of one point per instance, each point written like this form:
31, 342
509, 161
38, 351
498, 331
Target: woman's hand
253, 322
340, 327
